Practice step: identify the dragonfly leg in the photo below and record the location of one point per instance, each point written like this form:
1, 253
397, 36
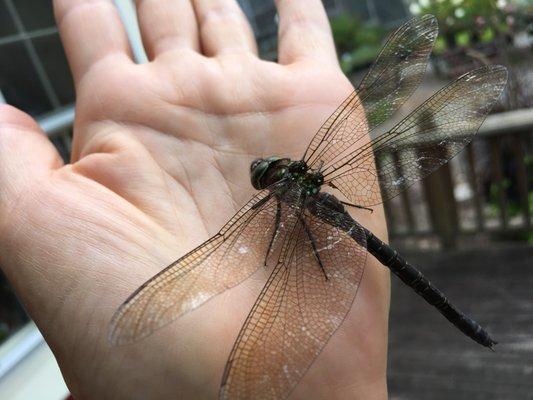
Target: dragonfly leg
276, 227
313, 245
357, 206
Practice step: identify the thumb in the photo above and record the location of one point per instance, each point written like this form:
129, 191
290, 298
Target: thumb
26, 154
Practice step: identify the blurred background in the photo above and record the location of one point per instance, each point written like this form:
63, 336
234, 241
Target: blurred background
467, 226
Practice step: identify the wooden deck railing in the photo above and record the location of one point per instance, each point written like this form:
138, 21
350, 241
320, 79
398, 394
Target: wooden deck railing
493, 171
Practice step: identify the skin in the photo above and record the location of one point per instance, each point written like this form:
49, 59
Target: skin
160, 162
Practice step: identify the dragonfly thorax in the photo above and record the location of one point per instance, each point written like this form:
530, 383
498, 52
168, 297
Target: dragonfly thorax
267, 171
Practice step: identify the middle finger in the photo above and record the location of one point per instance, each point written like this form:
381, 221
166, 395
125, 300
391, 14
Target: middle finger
223, 27
167, 25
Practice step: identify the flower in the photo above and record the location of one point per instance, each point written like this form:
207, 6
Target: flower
459, 12
501, 3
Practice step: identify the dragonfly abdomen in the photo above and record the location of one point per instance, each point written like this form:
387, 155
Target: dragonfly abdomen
412, 277
390, 258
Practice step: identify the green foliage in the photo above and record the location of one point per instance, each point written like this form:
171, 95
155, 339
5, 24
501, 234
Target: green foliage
359, 58
345, 28
487, 35
357, 43
440, 45
457, 15
465, 22
462, 39
495, 191
370, 35
513, 208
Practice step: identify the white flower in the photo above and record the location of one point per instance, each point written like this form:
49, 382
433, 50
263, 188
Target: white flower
414, 8
501, 3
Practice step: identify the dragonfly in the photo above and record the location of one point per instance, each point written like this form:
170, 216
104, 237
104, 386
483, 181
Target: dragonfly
316, 250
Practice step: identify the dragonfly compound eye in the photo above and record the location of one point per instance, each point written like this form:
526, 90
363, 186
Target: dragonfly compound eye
255, 163
258, 170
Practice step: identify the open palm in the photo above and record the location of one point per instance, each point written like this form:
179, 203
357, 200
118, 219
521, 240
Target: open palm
160, 162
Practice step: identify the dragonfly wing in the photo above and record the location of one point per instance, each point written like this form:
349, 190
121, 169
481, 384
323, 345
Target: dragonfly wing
426, 139
394, 76
298, 309
221, 262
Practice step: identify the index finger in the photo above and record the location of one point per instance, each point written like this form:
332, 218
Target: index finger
304, 31
90, 31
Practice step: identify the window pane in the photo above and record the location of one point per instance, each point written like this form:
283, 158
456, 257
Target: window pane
63, 143
53, 57
360, 8
259, 6
7, 27
35, 14
266, 23
19, 82
389, 11
329, 4
12, 315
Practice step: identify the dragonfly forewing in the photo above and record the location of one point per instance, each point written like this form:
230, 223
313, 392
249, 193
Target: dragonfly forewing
391, 80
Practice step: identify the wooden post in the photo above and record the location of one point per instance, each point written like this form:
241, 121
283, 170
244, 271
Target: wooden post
438, 189
472, 177
404, 194
521, 178
497, 176
389, 214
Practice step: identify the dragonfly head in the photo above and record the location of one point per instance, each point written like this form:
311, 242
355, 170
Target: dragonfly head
266, 171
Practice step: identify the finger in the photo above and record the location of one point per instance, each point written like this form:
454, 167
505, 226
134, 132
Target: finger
223, 27
167, 25
26, 154
304, 31
90, 31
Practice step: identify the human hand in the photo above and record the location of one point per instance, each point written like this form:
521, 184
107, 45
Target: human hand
160, 162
